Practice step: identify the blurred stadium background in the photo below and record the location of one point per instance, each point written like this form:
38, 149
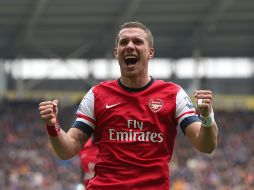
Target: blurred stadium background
59, 49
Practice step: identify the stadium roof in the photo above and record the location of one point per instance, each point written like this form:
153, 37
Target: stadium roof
86, 28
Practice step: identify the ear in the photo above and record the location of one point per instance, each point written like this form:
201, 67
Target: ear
151, 53
115, 52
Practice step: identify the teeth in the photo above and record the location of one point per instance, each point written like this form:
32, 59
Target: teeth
130, 57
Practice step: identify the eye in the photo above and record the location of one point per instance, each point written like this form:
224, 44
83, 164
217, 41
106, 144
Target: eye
138, 41
123, 42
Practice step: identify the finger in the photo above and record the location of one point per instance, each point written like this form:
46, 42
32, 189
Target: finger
195, 93
45, 107
46, 111
201, 102
206, 101
47, 118
203, 91
46, 103
204, 106
204, 96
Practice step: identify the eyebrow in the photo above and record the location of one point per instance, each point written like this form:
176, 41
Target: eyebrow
135, 37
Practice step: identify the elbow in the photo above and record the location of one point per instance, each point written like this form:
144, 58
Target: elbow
209, 149
63, 156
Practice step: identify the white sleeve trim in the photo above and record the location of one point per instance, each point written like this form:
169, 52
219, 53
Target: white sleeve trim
184, 106
86, 107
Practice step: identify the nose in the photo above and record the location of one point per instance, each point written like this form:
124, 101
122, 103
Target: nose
130, 46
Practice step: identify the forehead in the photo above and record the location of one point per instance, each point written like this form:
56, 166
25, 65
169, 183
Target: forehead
132, 32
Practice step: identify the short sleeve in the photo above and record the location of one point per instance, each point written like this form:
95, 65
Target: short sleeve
85, 114
185, 110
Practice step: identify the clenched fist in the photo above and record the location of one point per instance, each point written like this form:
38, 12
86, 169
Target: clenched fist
204, 101
48, 112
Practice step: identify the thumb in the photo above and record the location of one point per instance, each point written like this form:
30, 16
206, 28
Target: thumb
55, 104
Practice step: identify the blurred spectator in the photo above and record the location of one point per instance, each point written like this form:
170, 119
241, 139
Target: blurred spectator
26, 161
87, 161
230, 167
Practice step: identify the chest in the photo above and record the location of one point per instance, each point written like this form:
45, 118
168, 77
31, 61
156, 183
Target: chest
138, 112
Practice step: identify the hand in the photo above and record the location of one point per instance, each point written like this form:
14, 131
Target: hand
205, 106
48, 112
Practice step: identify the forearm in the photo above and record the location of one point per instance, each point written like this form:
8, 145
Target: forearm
203, 138
207, 138
64, 146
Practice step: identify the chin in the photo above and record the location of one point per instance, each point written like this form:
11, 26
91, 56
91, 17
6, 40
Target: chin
130, 74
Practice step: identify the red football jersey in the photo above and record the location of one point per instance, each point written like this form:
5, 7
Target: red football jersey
134, 130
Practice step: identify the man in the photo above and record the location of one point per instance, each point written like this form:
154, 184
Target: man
134, 120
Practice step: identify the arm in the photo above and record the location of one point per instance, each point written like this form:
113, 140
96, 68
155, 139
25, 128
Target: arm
202, 136
204, 139
65, 145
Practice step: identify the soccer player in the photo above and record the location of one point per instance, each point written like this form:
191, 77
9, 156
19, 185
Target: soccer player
134, 120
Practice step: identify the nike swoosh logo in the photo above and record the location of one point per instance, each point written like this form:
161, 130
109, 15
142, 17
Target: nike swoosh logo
110, 106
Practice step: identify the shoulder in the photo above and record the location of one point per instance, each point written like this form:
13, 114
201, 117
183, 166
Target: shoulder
167, 85
104, 85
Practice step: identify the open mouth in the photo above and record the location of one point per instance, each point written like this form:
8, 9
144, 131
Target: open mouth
130, 59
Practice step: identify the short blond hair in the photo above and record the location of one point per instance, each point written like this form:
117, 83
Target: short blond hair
136, 24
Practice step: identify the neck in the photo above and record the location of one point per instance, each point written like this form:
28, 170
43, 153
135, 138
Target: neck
135, 83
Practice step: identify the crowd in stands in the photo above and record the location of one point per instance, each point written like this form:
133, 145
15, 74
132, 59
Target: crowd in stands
27, 163
230, 167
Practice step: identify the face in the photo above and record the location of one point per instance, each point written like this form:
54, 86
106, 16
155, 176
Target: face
133, 52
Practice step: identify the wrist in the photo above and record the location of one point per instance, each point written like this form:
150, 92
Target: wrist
54, 130
207, 121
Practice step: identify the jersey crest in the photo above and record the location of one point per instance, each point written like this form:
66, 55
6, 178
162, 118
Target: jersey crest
155, 104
